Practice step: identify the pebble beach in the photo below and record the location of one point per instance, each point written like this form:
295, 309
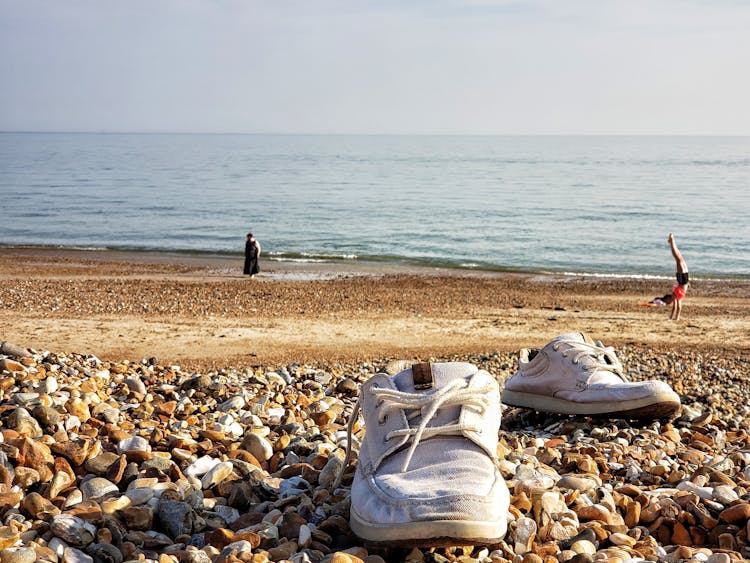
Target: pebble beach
176, 412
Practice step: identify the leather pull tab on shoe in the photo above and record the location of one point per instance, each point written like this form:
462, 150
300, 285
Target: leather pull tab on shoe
422, 376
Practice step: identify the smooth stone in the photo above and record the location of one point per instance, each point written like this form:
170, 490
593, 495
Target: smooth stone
48, 417
331, 470
48, 385
260, 448
22, 422
583, 547
140, 495
290, 525
112, 505
283, 551
72, 423
6, 364
176, 517
217, 474
73, 530
136, 384
594, 512
586, 534
702, 492
239, 548
525, 534
26, 400
75, 497
577, 483
168, 487
552, 503
33, 454
227, 513
39, 507
73, 555
725, 495
727, 541
100, 463
143, 483
57, 546
133, 444
736, 513
11, 349
105, 553
305, 536
97, 487
622, 539
201, 466
8, 537
137, 517
346, 386
233, 403
18, 555
26, 477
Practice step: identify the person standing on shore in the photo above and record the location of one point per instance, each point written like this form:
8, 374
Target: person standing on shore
678, 293
252, 256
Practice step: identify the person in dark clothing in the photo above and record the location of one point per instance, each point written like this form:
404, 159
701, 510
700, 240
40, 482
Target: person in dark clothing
252, 255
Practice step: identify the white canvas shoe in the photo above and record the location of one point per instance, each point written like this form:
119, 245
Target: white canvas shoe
574, 375
427, 471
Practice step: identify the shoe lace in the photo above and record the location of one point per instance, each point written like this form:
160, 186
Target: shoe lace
603, 356
425, 405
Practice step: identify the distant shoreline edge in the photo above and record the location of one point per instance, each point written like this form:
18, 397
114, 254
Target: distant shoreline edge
335, 265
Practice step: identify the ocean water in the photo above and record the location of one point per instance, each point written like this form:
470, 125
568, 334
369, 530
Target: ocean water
597, 205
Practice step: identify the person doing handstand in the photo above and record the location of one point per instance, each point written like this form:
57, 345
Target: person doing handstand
678, 293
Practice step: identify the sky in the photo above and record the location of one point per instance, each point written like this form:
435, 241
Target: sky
499, 67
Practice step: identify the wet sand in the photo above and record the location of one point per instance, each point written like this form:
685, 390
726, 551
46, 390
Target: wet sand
200, 311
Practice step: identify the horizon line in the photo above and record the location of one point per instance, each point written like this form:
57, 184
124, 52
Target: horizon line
280, 134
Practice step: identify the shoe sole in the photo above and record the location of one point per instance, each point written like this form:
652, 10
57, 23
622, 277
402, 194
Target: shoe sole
433, 533
648, 407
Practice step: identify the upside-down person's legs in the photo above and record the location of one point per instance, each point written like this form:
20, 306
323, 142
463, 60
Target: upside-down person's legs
679, 260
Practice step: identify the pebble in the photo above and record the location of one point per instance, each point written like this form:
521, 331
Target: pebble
18, 555
109, 462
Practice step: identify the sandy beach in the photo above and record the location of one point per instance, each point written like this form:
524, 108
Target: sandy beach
171, 410
200, 311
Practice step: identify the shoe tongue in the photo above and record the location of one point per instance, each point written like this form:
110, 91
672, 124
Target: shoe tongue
598, 375
442, 375
574, 336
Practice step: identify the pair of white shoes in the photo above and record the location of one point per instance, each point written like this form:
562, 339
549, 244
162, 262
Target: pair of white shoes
427, 472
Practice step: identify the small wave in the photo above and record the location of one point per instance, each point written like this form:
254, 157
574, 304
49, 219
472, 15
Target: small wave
615, 276
298, 260
54, 247
310, 256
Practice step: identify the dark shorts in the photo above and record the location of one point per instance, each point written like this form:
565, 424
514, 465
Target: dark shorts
682, 278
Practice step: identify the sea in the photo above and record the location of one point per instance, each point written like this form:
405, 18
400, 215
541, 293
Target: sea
593, 205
